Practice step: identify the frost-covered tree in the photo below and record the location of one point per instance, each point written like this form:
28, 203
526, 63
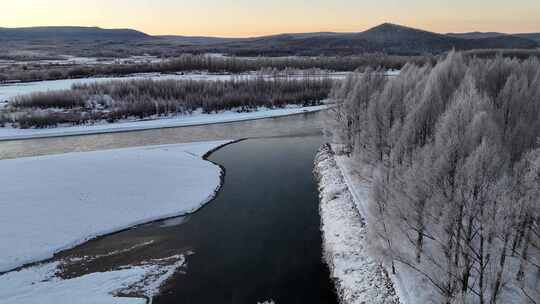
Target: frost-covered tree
454, 151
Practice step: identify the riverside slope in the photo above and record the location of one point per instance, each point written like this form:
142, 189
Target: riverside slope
358, 277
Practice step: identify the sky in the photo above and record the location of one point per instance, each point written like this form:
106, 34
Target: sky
244, 18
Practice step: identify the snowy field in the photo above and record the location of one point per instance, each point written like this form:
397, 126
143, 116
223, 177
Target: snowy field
75, 60
358, 277
56, 202
179, 121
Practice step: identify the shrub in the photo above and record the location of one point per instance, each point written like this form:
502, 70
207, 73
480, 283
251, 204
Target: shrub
47, 119
51, 99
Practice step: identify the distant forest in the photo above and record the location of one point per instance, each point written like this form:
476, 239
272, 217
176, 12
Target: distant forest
212, 64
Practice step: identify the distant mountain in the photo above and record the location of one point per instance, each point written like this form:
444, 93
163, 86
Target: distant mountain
397, 38
388, 38
202, 40
477, 35
530, 36
196, 40
505, 42
389, 32
68, 33
295, 36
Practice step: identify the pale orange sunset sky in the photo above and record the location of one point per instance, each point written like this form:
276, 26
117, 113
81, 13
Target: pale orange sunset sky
250, 18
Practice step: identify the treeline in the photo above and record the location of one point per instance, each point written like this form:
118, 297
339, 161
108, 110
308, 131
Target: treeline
455, 153
511, 53
212, 64
112, 101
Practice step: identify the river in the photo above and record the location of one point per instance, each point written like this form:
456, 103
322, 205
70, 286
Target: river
258, 240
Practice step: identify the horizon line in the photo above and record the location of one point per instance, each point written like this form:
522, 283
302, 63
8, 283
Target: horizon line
260, 34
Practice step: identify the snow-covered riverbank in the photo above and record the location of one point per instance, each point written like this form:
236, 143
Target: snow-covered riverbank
180, 121
51, 203
129, 284
358, 277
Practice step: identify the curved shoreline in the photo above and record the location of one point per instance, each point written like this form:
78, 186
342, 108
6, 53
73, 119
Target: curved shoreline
170, 241
202, 204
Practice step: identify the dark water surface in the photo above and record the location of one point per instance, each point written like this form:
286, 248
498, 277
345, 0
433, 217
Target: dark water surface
259, 239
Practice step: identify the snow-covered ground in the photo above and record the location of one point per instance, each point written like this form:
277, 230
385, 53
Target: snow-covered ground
75, 60
51, 203
358, 277
41, 285
409, 285
358, 182
179, 121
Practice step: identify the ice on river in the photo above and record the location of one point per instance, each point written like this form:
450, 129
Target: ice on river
41, 285
51, 203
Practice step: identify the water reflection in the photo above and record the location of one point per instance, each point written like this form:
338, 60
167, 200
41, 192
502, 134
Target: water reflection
307, 123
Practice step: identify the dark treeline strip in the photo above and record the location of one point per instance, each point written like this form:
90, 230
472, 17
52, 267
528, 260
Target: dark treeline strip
113, 101
212, 64
455, 153
511, 53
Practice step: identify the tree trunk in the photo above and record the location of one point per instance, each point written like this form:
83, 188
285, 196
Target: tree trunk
459, 228
498, 278
420, 236
466, 258
524, 254
482, 265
